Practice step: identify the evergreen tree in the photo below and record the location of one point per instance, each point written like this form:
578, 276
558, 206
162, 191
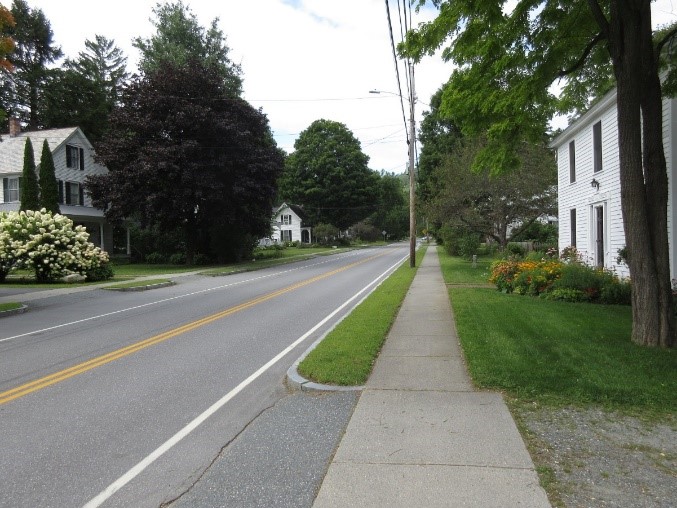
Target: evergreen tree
34, 51
30, 193
49, 188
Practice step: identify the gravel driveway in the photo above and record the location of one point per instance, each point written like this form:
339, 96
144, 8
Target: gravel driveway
593, 458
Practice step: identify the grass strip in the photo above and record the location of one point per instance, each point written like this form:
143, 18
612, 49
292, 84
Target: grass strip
461, 271
9, 306
560, 353
138, 283
347, 354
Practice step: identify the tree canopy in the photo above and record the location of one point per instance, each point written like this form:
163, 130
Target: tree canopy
328, 175
184, 155
502, 87
34, 51
487, 205
180, 39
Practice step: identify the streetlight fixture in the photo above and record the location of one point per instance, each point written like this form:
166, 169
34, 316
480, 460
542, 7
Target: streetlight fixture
412, 179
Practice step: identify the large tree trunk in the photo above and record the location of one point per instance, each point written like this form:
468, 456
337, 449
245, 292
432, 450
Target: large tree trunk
643, 173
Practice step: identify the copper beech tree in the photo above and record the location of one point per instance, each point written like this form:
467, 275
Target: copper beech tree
507, 61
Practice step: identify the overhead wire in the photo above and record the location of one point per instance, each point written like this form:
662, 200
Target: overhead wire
397, 68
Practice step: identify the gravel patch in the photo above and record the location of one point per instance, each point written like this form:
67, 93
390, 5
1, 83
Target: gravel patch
594, 458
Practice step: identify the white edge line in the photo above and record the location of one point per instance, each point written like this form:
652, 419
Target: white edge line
176, 438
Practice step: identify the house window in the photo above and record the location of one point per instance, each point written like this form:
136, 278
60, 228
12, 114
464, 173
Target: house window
71, 193
572, 162
11, 190
285, 235
286, 220
597, 146
572, 214
75, 157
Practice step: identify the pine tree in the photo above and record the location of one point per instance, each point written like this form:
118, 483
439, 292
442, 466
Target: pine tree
49, 189
30, 193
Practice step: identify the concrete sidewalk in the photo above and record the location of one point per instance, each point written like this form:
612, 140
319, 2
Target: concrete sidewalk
420, 434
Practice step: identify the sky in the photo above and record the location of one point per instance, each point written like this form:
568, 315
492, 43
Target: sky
302, 60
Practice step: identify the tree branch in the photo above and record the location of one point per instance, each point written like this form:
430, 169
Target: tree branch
665, 40
600, 18
600, 36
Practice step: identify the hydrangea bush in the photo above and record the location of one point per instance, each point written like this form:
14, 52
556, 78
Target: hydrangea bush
49, 245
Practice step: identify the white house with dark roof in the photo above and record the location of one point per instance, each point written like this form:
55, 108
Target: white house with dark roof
589, 187
289, 224
73, 157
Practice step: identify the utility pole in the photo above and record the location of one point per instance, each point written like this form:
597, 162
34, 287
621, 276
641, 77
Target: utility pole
412, 171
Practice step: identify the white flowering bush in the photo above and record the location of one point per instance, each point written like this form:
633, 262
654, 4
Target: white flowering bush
50, 246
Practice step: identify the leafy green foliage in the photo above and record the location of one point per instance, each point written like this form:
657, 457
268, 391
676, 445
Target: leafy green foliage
486, 204
188, 159
180, 40
392, 214
328, 175
30, 192
49, 188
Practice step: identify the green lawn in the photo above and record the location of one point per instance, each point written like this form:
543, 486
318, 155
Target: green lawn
346, 356
561, 353
138, 283
9, 306
462, 271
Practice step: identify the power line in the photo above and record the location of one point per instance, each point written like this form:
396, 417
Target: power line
397, 69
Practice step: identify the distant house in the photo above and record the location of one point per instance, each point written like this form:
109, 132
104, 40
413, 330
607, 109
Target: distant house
73, 162
289, 225
589, 191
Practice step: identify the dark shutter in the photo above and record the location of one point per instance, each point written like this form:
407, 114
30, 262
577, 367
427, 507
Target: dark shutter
69, 161
68, 193
81, 196
82, 159
61, 192
5, 190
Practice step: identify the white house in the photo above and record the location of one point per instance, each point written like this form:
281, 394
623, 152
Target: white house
589, 195
73, 162
288, 225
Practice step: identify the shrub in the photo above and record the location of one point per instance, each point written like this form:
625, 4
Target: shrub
580, 277
535, 278
503, 274
102, 272
156, 258
178, 258
48, 244
615, 291
201, 259
567, 295
459, 241
516, 249
325, 233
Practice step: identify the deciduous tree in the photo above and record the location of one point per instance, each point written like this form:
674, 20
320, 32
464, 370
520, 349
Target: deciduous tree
328, 175
507, 61
184, 155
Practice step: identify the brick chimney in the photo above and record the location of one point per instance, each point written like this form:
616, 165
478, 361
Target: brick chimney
14, 127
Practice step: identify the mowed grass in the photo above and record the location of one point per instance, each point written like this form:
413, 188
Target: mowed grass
347, 354
560, 353
9, 306
138, 283
461, 271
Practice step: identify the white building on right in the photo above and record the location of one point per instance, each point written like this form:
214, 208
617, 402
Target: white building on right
589, 191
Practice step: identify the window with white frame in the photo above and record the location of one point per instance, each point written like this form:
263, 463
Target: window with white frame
286, 220
75, 157
11, 189
285, 235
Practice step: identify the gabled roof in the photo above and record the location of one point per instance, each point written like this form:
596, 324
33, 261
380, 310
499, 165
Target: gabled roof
12, 148
297, 209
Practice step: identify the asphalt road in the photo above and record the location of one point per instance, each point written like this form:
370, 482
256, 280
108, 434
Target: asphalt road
176, 395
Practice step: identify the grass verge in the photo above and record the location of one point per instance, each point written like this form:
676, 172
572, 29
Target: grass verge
138, 283
461, 271
9, 306
346, 356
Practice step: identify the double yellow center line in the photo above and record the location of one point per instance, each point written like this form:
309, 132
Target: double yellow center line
62, 375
